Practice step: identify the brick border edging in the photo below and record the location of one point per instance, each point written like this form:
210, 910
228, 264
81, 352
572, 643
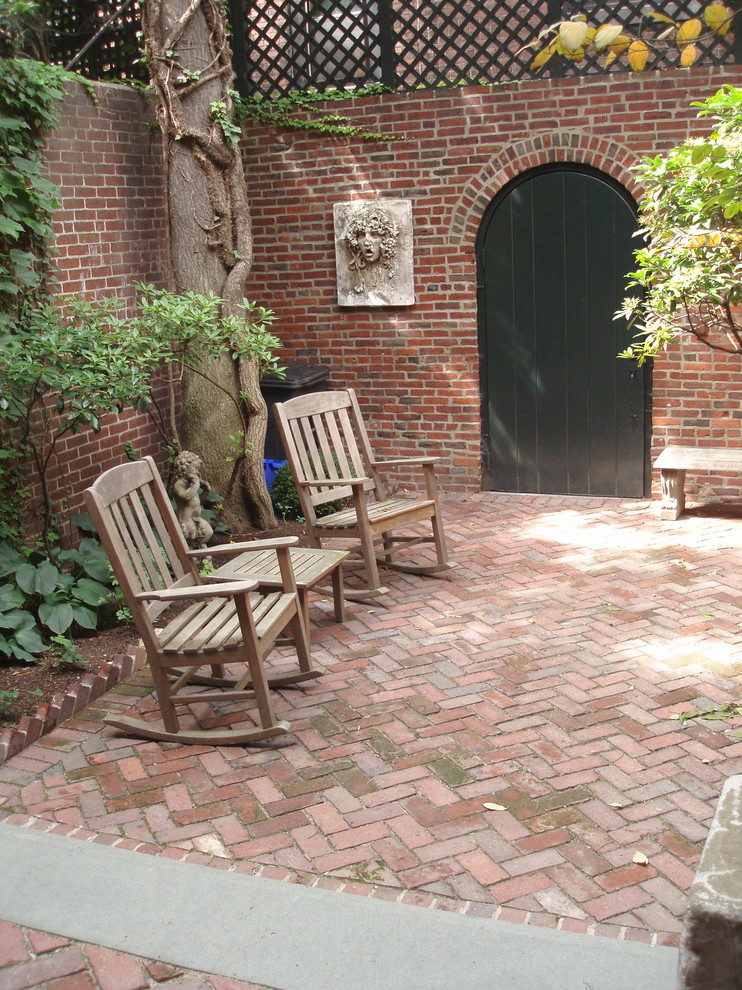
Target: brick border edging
64, 705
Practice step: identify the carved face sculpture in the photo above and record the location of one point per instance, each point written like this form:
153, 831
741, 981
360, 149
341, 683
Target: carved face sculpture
373, 252
369, 244
372, 236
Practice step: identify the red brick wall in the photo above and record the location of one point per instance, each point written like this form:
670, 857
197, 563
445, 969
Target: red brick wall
417, 368
110, 233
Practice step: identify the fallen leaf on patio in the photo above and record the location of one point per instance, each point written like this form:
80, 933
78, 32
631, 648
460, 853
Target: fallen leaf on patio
494, 807
639, 857
729, 710
616, 804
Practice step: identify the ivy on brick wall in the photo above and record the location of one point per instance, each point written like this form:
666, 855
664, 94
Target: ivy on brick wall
28, 94
29, 91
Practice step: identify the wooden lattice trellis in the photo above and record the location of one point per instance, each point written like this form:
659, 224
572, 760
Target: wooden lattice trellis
282, 46
116, 54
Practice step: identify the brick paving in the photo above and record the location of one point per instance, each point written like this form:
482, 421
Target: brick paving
38, 960
495, 741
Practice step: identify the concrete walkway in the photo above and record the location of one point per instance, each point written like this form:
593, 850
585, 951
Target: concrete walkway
292, 937
497, 744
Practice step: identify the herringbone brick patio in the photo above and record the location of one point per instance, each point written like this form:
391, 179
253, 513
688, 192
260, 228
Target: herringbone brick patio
496, 741
31, 960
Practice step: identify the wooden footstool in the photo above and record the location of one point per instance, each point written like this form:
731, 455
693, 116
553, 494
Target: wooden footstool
310, 568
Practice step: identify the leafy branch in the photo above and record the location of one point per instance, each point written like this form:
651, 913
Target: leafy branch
69, 364
576, 39
689, 274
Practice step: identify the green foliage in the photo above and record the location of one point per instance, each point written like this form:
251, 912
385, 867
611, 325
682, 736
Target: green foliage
28, 91
284, 111
17, 19
174, 326
222, 115
42, 597
62, 369
285, 497
211, 505
690, 272
6, 701
68, 364
64, 654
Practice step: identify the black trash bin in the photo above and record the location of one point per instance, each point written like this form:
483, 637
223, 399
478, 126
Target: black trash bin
300, 380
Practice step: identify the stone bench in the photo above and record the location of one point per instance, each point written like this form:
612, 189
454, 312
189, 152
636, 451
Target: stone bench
674, 461
711, 942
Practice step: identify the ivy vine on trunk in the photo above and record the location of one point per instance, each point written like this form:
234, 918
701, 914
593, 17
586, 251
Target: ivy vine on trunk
211, 242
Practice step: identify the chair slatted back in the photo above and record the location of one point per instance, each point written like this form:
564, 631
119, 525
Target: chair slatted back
325, 439
140, 532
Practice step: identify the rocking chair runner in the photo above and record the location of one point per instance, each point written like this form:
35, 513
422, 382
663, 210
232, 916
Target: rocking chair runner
330, 457
220, 624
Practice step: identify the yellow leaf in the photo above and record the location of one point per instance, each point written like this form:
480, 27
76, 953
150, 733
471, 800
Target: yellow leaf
541, 59
621, 44
572, 34
577, 56
688, 55
689, 30
606, 35
638, 55
639, 857
494, 807
704, 239
662, 17
610, 58
718, 18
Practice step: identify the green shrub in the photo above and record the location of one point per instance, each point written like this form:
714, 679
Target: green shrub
285, 497
42, 598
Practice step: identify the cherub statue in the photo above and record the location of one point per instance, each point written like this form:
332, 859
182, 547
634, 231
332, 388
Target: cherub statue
187, 484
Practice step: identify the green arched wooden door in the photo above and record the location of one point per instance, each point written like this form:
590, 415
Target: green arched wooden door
561, 414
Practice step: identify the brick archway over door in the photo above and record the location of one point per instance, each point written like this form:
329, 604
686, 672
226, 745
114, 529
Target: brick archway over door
577, 147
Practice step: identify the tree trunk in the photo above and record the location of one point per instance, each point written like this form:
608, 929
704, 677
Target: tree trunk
190, 67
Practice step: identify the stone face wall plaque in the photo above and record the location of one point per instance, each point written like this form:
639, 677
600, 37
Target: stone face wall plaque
373, 252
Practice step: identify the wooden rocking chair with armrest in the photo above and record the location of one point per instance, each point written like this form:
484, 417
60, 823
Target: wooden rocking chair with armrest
231, 623
328, 451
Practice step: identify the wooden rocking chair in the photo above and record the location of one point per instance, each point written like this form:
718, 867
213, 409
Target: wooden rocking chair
214, 625
330, 457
